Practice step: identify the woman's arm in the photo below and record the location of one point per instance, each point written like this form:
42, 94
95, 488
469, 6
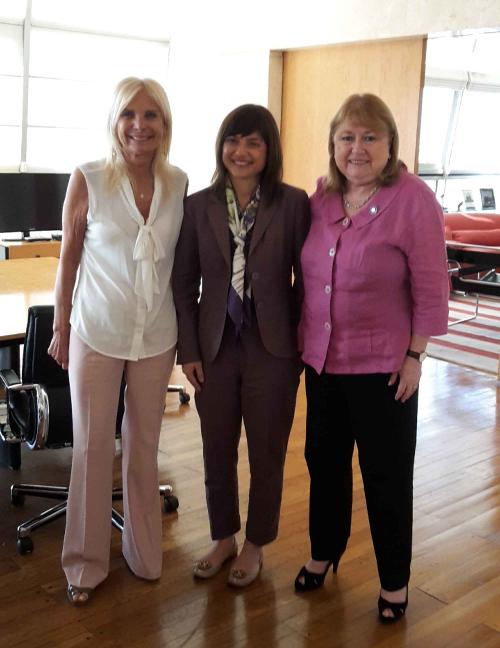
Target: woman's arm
426, 254
74, 225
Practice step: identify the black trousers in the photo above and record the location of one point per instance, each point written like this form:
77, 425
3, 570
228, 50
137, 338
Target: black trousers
343, 410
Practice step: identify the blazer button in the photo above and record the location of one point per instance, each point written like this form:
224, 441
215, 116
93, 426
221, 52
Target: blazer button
255, 276
260, 305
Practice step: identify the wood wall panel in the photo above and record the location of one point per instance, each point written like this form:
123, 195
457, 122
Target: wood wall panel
316, 81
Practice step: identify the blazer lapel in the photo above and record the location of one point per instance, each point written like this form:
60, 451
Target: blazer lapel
217, 216
264, 215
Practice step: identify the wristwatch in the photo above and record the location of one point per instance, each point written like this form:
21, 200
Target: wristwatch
417, 355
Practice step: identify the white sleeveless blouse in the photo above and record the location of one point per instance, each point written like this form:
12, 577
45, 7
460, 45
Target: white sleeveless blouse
123, 305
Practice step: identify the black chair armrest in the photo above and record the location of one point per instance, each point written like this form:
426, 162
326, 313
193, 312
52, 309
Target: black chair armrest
28, 410
9, 377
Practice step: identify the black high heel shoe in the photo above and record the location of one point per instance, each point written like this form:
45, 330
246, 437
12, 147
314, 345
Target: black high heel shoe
397, 609
307, 581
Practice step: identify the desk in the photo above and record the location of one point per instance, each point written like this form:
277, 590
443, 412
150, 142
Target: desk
23, 283
29, 249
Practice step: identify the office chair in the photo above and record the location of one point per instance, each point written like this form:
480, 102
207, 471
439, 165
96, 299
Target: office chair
184, 397
38, 412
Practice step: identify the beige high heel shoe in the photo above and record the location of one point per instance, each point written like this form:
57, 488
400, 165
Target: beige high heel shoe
205, 568
242, 578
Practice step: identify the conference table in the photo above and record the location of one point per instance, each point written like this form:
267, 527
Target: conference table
23, 283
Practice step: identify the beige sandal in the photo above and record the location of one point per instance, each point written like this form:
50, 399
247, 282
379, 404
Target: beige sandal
205, 568
78, 595
241, 578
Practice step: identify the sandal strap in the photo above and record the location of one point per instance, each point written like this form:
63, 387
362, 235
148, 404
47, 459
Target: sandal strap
398, 609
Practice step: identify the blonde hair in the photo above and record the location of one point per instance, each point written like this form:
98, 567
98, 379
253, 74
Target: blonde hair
124, 93
370, 111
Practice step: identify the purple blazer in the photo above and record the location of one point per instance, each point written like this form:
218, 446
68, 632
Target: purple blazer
202, 273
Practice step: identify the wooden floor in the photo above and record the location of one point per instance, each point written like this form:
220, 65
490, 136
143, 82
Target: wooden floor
454, 590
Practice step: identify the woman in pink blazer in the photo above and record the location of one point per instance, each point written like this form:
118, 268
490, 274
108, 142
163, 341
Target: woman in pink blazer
376, 288
238, 292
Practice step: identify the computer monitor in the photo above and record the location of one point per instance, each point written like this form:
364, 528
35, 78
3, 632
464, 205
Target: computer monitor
31, 202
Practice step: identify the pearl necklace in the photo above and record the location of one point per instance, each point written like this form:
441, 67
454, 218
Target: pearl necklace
350, 205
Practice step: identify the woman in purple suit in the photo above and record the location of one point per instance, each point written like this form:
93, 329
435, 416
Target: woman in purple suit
241, 240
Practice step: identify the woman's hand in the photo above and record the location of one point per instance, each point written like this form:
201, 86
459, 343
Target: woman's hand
59, 347
194, 373
409, 377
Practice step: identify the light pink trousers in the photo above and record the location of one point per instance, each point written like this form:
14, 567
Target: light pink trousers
95, 382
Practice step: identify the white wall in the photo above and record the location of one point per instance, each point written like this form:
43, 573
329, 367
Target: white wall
203, 87
221, 55
285, 24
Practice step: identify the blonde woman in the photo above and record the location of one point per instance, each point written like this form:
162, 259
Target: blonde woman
121, 221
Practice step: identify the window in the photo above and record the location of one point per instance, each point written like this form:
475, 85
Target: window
437, 106
477, 139
11, 91
56, 84
69, 95
459, 136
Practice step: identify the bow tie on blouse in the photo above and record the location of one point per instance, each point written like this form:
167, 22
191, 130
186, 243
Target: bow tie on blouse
148, 250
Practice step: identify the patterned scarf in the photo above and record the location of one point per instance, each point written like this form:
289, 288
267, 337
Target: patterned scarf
240, 223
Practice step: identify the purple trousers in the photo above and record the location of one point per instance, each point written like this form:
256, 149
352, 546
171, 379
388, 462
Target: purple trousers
246, 384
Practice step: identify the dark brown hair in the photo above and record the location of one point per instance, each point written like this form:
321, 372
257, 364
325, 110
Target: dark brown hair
370, 111
244, 120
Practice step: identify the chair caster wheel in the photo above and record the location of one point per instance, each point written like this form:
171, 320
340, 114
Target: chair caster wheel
184, 398
24, 546
170, 503
16, 499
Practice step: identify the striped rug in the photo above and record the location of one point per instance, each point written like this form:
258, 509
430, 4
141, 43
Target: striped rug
475, 344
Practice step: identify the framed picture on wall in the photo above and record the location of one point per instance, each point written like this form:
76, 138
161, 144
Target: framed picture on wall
468, 200
487, 198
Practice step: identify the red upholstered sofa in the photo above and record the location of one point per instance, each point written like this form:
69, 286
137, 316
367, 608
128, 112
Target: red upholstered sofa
473, 248
479, 228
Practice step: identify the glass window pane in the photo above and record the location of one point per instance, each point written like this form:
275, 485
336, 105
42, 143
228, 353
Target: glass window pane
87, 56
70, 104
436, 115
70, 95
11, 50
11, 105
12, 10
61, 149
477, 139
10, 151
449, 52
485, 55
